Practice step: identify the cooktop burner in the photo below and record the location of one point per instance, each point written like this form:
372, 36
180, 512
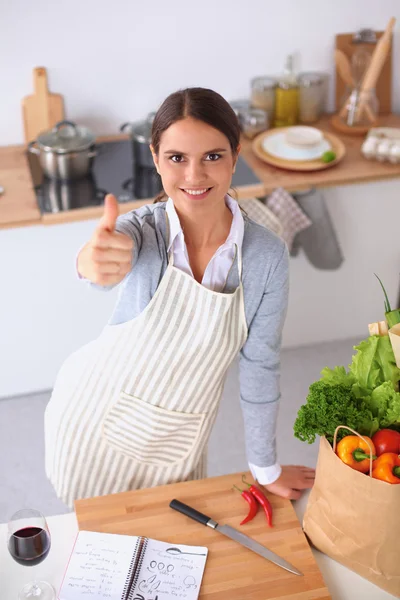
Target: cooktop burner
115, 172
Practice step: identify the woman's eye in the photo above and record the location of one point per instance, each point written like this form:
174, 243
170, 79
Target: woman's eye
213, 157
176, 158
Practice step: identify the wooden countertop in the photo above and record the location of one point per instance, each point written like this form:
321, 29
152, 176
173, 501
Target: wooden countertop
18, 205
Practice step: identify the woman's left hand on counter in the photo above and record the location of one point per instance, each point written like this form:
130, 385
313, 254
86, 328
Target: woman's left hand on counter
292, 482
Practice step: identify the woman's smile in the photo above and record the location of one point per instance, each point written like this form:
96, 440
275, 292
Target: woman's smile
198, 194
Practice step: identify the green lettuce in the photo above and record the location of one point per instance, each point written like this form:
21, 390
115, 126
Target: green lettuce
337, 376
374, 363
364, 398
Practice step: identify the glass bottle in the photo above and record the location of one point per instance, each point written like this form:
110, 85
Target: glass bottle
287, 97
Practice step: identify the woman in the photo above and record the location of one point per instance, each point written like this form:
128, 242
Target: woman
199, 284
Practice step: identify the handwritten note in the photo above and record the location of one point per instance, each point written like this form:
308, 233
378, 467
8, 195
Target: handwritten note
98, 567
105, 566
169, 572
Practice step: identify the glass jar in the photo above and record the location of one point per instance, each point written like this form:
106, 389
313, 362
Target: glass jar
312, 96
359, 108
253, 121
239, 105
263, 94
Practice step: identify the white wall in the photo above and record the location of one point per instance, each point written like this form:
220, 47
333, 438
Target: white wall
119, 62
115, 61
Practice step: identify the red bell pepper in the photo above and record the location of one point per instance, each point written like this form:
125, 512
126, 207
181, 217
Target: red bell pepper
386, 440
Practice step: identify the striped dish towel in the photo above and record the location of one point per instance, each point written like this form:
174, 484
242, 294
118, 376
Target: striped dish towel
261, 214
292, 218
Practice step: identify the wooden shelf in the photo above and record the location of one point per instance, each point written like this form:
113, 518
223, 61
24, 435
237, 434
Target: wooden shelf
354, 168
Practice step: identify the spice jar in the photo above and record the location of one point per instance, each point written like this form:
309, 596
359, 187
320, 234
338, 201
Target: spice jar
263, 94
312, 96
253, 121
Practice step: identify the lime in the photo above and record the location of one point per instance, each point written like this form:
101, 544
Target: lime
328, 156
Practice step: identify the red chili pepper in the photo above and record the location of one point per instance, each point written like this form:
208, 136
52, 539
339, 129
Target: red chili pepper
253, 506
262, 499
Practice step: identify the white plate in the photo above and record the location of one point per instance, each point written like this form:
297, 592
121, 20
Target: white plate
277, 146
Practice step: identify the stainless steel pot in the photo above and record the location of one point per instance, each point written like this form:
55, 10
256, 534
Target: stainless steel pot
65, 152
140, 133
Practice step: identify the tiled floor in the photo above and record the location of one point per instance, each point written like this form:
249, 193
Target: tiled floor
22, 479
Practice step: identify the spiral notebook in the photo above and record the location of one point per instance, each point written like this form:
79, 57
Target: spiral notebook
124, 567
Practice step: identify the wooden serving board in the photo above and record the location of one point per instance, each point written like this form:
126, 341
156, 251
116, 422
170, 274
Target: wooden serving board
344, 42
231, 571
298, 165
42, 110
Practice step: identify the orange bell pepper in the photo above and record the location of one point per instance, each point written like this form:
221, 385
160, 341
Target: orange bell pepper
355, 452
387, 467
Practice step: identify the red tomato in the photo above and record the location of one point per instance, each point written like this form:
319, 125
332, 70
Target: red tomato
386, 440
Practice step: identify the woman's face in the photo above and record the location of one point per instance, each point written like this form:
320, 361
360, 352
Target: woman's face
196, 163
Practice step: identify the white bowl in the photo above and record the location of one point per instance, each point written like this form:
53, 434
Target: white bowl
277, 145
303, 137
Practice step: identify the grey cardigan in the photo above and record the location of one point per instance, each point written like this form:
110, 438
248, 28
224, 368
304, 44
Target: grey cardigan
265, 286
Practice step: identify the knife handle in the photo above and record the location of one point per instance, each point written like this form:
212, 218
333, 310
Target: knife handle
192, 513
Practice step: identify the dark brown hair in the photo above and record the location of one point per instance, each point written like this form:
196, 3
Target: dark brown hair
201, 104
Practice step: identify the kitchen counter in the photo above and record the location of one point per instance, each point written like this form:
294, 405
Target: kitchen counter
353, 168
18, 203
342, 583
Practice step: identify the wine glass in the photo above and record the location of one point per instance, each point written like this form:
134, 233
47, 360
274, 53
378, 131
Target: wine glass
29, 543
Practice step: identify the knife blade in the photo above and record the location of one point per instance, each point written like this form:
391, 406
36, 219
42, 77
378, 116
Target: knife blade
235, 535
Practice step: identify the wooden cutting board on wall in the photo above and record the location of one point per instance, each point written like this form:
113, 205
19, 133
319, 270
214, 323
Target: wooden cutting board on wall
42, 110
231, 571
344, 42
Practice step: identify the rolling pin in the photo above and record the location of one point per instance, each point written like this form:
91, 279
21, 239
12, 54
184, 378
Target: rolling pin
377, 61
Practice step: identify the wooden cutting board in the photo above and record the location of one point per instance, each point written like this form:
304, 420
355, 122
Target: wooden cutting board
232, 572
42, 110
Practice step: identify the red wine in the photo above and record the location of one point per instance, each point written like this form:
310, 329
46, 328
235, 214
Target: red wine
29, 546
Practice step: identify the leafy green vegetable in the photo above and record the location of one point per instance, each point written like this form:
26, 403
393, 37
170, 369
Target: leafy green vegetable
374, 363
392, 316
384, 404
329, 406
337, 376
387, 303
365, 398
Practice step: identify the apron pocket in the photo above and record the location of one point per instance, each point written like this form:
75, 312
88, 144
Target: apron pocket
150, 434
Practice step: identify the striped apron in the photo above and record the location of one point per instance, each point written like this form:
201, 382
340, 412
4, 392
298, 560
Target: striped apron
135, 407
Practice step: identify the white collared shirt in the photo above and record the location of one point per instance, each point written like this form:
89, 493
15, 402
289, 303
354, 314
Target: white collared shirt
218, 268
214, 278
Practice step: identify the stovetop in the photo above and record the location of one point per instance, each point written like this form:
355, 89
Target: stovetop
115, 172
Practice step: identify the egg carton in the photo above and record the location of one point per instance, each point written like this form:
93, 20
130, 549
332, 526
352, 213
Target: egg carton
383, 144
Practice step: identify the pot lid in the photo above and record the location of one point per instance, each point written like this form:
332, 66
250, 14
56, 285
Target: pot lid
141, 130
66, 137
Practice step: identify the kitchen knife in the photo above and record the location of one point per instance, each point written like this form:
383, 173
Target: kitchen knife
235, 535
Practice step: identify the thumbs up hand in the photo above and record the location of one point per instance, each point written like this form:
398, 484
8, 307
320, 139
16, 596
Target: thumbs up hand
107, 257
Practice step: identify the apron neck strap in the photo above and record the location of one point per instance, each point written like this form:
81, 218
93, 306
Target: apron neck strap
171, 250
240, 264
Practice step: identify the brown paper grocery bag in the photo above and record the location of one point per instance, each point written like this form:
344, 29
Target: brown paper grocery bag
394, 336
355, 519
